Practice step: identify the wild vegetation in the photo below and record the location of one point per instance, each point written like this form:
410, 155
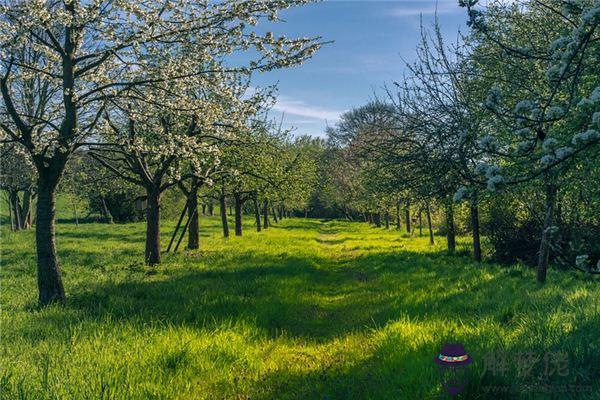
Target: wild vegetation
201, 250
306, 309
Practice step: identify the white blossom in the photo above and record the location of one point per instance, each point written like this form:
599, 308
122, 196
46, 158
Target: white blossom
488, 142
523, 107
494, 182
460, 194
491, 171
494, 97
554, 112
596, 119
547, 160
585, 137
549, 144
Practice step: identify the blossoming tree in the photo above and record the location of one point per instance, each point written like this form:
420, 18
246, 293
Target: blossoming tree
79, 56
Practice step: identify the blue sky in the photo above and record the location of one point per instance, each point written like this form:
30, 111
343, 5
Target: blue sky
370, 40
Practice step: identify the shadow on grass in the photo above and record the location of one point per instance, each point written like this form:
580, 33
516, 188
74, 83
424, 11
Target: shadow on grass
318, 299
312, 298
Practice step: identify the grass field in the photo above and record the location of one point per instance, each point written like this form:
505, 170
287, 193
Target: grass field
306, 310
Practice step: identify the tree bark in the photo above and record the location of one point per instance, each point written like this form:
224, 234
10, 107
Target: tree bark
194, 226
450, 228
223, 210
256, 213
378, 219
27, 214
544, 255
10, 213
387, 220
420, 222
398, 217
265, 214
211, 208
407, 211
428, 210
475, 224
239, 202
75, 211
152, 254
50, 284
274, 214
13, 197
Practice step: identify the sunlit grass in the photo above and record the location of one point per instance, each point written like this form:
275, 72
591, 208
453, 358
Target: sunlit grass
307, 309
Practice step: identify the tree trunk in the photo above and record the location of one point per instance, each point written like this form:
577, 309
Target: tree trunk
256, 213
211, 208
238, 213
450, 228
428, 210
265, 214
274, 214
420, 222
407, 211
10, 213
75, 211
16, 212
377, 218
203, 209
223, 210
194, 226
281, 212
50, 284
387, 220
27, 214
152, 254
230, 210
542, 266
475, 224
398, 218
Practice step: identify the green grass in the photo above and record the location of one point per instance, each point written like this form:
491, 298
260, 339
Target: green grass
305, 310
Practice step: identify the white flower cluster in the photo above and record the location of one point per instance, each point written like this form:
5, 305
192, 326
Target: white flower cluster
460, 194
554, 112
585, 137
592, 100
494, 97
495, 181
592, 16
488, 142
596, 119
524, 107
549, 144
525, 147
157, 53
553, 153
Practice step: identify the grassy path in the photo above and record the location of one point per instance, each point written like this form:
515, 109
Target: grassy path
307, 309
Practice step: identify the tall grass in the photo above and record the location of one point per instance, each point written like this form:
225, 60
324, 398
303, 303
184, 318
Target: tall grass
307, 309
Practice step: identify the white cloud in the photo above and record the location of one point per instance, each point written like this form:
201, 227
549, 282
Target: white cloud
299, 108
